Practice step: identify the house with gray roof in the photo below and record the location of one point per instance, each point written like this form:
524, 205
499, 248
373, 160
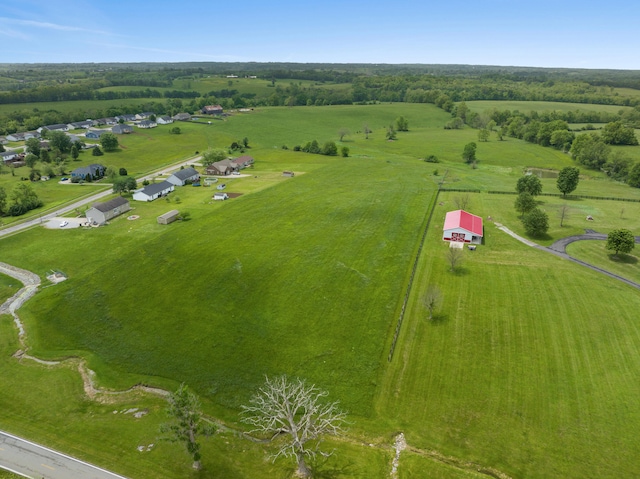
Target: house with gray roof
182, 117
58, 127
144, 115
164, 120
126, 117
100, 213
153, 191
147, 124
122, 129
80, 124
95, 134
94, 171
181, 177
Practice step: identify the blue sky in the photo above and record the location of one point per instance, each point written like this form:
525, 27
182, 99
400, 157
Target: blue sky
543, 33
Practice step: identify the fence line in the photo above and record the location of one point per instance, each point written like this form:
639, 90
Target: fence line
413, 270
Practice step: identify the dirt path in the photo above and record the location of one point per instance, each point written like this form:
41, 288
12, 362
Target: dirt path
559, 248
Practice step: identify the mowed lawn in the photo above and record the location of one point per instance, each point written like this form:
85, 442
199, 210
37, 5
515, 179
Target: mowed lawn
595, 253
530, 366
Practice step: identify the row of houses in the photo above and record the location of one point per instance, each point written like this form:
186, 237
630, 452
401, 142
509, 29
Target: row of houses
157, 190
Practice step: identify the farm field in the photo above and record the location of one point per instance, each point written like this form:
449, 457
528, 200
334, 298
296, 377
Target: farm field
540, 106
527, 370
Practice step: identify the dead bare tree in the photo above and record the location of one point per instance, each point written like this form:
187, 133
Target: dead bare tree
563, 213
293, 408
462, 201
366, 130
454, 256
432, 299
342, 132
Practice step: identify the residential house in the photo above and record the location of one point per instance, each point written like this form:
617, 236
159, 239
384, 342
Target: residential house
100, 213
95, 134
3, 140
57, 127
80, 125
106, 121
24, 136
164, 120
95, 171
147, 124
168, 217
243, 161
127, 117
144, 115
212, 110
221, 168
9, 156
122, 129
462, 227
182, 117
181, 177
153, 191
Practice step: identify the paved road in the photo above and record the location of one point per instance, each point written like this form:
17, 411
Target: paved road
31, 460
91, 199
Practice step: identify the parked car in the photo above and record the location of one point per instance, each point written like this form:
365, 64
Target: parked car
237, 173
222, 186
64, 178
64, 223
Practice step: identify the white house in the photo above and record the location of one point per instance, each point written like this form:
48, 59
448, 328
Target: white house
462, 227
180, 177
164, 120
220, 196
100, 213
153, 191
147, 124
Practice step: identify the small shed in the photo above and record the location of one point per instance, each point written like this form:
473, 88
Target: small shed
100, 213
288, 174
168, 217
462, 227
220, 196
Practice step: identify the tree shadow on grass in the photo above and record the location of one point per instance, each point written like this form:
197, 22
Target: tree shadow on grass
438, 319
622, 258
460, 271
321, 470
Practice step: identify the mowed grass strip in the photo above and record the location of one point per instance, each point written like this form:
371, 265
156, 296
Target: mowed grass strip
529, 367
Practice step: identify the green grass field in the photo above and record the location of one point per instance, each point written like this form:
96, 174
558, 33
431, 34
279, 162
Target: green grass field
595, 253
539, 106
528, 369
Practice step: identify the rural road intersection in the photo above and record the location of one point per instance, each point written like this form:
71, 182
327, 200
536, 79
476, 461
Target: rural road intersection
31, 460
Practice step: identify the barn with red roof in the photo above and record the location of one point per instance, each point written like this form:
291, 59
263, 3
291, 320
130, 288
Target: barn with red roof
462, 227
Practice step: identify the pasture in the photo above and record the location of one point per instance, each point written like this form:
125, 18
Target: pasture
528, 368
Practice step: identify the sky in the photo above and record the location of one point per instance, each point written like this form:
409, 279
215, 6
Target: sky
543, 33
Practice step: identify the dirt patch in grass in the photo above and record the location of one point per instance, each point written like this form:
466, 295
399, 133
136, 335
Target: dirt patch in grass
234, 195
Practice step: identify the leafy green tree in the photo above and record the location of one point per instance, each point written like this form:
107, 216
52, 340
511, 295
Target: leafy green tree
483, 135
187, 423
634, 176
75, 152
124, 184
60, 141
615, 133
44, 156
562, 139
122, 172
109, 142
536, 222
245, 142
175, 130
524, 203
96, 151
402, 124
23, 199
344, 151
391, 133
620, 241
294, 409
469, 152
568, 179
213, 155
33, 146
30, 160
529, 183
589, 150
454, 124
2, 149
618, 166
330, 149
